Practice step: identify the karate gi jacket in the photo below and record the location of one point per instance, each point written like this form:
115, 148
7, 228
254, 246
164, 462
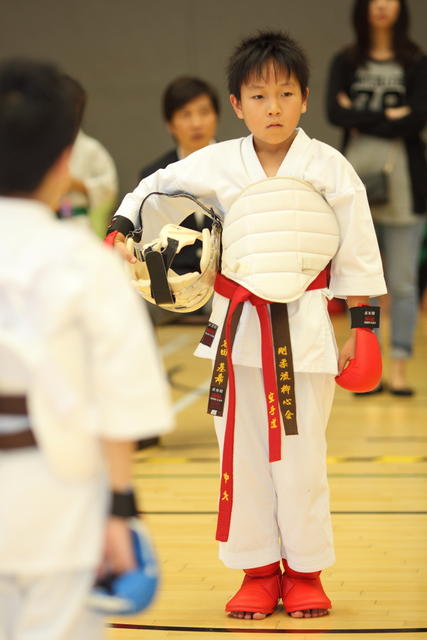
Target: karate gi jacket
217, 174
66, 300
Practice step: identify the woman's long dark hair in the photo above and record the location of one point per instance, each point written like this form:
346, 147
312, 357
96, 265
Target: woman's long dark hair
404, 49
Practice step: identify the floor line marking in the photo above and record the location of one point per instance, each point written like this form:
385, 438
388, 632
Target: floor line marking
153, 627
186, 400
191, 397
330, 475
335, 513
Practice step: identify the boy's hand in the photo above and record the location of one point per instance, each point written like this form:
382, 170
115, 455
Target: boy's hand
359, 361
118, 555
120, 246
347, 351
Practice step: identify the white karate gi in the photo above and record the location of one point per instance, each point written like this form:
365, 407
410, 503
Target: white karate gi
91, 163
64, 293
287, 499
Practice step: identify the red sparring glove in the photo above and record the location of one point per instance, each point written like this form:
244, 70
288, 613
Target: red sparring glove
364, 370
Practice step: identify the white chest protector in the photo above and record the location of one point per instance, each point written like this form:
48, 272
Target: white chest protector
277, 237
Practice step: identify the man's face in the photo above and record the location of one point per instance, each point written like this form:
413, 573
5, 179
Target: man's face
271, 106
194, 125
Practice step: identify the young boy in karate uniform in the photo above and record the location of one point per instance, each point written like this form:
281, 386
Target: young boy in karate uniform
278, 508
80, 379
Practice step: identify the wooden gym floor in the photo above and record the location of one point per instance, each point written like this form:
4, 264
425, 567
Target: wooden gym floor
378, 478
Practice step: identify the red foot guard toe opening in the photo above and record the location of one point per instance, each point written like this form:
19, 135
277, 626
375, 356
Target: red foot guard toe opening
260, 591
303, 591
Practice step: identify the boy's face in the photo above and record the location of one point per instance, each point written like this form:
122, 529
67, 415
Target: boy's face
271, 106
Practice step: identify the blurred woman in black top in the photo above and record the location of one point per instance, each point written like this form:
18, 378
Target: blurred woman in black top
377, 93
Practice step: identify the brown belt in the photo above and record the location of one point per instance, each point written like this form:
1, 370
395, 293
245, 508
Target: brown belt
17, 440
15, 405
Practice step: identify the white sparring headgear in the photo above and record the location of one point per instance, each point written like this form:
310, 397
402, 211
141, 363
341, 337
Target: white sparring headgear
153, 274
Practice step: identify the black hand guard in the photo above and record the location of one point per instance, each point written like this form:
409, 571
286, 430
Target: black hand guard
123, 504
365, 317
120, 224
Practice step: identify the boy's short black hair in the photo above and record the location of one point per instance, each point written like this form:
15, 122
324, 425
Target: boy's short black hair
38, 120
78, 96
183, 90
253, 53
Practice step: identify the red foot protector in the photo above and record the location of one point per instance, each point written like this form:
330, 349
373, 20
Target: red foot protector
302, 591
365, 369
260, 590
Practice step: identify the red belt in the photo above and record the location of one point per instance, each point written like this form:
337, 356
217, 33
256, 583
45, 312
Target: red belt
273, 357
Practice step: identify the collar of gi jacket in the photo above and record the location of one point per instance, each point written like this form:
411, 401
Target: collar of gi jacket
15, 212
292, 164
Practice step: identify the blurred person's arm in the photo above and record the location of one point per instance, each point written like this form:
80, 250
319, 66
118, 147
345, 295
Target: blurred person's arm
130, 394
118, 554
339, 108
410, 119
394, 122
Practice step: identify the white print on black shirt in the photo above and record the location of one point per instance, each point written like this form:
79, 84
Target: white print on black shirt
378, 86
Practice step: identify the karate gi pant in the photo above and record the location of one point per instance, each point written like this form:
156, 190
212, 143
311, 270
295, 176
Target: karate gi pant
49, 607
280, 509
51, 537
